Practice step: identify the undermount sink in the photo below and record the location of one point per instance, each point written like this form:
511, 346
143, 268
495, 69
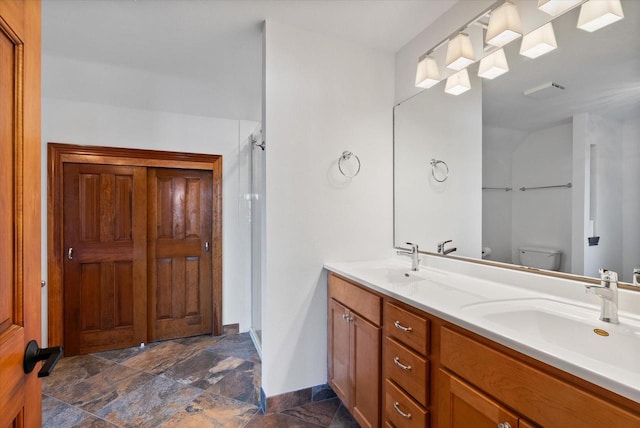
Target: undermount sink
572, 327
396, 274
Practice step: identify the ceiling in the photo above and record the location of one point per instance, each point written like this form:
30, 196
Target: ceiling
219, 42
600, 72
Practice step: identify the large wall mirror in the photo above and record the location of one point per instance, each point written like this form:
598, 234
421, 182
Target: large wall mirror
572, 144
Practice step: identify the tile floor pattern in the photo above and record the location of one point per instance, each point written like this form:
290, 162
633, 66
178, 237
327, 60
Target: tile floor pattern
201, 381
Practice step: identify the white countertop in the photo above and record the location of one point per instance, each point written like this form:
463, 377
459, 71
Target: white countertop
467, 301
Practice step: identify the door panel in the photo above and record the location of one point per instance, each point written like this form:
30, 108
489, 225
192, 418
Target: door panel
104, 218
180, 252
20, 394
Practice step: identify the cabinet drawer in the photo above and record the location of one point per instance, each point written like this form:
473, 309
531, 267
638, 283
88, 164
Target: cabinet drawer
401, 410
406, 327
357, 299
407, 369
529, 391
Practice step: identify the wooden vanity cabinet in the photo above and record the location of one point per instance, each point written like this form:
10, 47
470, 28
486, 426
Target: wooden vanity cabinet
354, 349
393, 365
405, 366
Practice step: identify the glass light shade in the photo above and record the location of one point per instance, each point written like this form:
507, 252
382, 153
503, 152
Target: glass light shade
460, 52
427, 74
504, 25
458, 83
538, 42
556, 7
596, 14
493, 65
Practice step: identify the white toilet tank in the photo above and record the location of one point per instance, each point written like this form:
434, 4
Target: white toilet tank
541, 258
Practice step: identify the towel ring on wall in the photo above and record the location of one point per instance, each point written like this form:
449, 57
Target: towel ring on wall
434, 163
346, 155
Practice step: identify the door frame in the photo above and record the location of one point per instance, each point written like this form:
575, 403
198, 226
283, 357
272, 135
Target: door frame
58, 154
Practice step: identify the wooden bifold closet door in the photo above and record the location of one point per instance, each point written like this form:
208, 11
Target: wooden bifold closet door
180, 247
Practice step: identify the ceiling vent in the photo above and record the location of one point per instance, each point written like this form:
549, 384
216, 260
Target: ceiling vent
544, 91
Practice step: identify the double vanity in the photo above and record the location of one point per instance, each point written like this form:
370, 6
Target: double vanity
463, 346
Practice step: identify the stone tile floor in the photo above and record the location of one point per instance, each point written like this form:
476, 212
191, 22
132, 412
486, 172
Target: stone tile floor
200, 381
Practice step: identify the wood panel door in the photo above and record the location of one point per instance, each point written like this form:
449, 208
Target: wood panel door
105, 265
466, 406
20, 393
180, 252
339, 346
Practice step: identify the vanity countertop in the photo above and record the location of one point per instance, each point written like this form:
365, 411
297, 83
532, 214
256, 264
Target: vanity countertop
555, 329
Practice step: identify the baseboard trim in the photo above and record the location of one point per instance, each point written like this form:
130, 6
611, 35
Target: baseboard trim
289, 400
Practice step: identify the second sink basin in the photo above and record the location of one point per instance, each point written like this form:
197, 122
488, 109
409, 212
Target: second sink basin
572, 327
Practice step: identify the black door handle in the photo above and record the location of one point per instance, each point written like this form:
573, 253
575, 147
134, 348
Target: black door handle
34, 353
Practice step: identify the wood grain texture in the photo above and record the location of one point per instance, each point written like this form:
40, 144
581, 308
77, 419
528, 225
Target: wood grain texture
415, 379
20, 226
359, 300
104, 283
180, 256
61, 154
531, 392
416, 416
365, 371
338, 351
418, 335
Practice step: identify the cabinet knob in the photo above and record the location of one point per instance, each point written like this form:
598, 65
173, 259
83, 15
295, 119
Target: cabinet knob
504, 425
401, 327
396, 407
397, 362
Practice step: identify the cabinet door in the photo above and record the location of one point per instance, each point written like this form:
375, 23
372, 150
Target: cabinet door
365, 350
467, 407
338, 335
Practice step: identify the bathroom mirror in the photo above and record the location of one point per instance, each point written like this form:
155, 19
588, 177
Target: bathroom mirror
580, 125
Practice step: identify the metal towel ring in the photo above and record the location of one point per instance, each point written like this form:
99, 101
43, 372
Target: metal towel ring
346, 155
434, 164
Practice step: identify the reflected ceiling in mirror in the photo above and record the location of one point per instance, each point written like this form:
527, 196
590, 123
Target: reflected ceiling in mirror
580, 124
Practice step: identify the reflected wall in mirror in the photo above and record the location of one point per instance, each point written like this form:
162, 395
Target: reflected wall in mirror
587, 134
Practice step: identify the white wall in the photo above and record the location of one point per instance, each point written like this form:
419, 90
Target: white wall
497, 160
630, 196
542, 217
322, 96
437, 125
97, 123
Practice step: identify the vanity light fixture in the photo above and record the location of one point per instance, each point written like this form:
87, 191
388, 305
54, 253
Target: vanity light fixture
428, 73
460, 52
493, 65
458, 83
539, 42
504, 25
595, 14
556, 7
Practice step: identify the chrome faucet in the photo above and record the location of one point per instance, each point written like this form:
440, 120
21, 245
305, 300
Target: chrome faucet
608, 292
441, 249
636, 276
413, 253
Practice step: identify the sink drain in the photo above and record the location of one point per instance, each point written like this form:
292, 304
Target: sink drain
600, 332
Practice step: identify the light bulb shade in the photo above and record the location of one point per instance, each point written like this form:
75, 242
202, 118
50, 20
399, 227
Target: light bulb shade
458, 83
504, 25
427, 74
493, 65
596, 14
556, 7
460, 52
538, 42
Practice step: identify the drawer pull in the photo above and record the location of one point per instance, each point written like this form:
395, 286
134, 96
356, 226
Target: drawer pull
396, 406
397, 362
504, 425
401, 327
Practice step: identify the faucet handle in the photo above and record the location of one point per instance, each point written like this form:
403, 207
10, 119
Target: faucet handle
414, 247
608, 275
